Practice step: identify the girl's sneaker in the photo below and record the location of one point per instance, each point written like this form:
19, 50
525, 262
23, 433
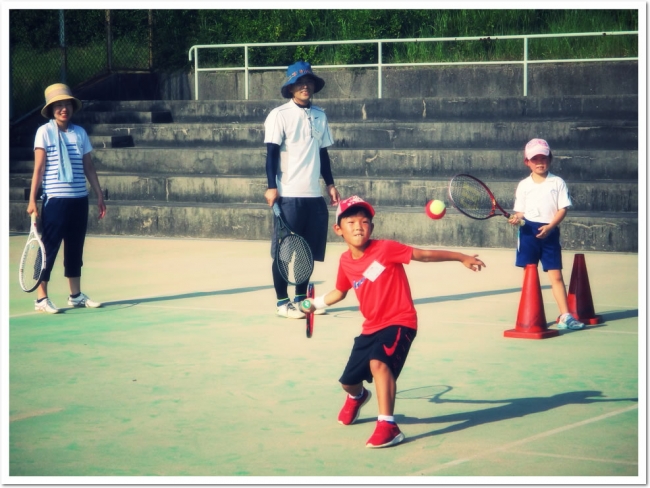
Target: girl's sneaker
46, 306
83, 301
386, 434
566, 321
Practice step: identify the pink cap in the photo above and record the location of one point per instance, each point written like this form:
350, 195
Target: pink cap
354, 201
535, 147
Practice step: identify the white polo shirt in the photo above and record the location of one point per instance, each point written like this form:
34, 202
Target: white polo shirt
301, 133
541, 201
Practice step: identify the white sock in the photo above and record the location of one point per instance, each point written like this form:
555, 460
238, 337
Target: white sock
386, 418
358, 396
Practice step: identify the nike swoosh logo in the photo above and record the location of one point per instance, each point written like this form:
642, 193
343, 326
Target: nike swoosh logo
391, 350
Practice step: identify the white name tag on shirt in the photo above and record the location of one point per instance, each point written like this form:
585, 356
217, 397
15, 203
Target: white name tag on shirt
373, 271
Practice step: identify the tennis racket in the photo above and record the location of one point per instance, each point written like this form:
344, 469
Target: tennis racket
292, 254
32, 262
309, 317
471, 197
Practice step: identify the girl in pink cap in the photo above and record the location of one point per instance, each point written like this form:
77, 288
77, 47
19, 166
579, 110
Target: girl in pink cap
542, 200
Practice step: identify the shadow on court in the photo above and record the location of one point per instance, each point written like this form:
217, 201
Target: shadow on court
199, 294
513, 408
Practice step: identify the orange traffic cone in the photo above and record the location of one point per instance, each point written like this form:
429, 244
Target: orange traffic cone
531, 319
581, 306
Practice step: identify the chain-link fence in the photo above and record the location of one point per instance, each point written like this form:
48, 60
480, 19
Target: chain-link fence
73, 46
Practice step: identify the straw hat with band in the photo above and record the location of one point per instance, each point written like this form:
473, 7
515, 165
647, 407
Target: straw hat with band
297, 71
56, 93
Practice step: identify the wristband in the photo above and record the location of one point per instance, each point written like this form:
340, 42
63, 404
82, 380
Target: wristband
319, 302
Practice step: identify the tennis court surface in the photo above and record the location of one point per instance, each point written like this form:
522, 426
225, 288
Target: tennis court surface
187, 373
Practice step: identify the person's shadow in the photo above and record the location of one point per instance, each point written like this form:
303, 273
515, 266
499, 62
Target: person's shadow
507, 409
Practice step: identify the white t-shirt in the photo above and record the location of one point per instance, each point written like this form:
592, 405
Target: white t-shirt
541, 201
301, 133
75, 138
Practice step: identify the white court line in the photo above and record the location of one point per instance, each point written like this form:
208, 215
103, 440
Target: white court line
577, 458
535, 437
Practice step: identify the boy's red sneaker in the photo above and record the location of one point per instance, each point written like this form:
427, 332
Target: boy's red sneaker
350, 411
386, 434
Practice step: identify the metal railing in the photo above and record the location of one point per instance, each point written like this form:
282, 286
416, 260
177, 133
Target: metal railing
194, 53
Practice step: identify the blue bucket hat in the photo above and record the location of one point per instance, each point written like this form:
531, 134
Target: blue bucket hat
297, 71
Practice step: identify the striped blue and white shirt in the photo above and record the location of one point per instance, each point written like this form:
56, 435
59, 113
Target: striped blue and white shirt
76, 140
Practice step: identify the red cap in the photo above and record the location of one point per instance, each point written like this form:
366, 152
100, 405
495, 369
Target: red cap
354, 201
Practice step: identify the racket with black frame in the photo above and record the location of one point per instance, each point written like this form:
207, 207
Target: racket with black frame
309, 317
32, 262
292, 254
471, 197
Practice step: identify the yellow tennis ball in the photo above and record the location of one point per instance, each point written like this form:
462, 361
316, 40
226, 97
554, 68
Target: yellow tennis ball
435, 209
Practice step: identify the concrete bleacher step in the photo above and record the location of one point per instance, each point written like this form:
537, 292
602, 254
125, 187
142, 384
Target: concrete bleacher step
395, 109
594, 134
572, 165
596, 196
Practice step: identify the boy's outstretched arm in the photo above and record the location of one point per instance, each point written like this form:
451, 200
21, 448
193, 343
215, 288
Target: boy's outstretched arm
433, 256
330, 298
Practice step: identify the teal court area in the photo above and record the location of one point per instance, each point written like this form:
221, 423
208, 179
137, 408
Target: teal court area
187, 373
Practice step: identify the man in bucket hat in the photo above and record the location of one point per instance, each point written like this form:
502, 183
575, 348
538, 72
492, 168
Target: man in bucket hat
62, 163
297, 136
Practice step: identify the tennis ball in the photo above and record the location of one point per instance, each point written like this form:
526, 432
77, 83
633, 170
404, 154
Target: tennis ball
435, 209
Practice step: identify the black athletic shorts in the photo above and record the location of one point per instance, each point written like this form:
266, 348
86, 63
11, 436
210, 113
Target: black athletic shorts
390, 346
307, 217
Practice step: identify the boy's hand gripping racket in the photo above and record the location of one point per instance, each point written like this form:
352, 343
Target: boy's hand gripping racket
32, 262
471, 197
292, 254
309, 317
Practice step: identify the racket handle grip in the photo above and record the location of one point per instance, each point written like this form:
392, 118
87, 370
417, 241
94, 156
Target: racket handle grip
522, 223
32, 216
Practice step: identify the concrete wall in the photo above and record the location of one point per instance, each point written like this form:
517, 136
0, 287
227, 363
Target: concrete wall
544, 80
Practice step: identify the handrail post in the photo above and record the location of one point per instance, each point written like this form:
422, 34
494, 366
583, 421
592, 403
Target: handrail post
196, 73
246, 71
525, 66
379, 71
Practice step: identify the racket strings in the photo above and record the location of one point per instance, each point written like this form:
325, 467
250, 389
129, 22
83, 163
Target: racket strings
471, 197
31, 265
295, 259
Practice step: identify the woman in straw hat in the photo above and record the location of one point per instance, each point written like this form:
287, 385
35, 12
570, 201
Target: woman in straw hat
62, 163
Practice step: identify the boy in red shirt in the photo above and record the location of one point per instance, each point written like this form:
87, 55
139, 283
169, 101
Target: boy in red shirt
374, 268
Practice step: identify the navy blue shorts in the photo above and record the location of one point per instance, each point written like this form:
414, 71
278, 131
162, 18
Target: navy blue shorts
307, 217
64, 220
390, 346
532, 250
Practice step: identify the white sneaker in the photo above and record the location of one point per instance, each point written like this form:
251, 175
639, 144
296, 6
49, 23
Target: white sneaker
45, 306
566, 321
83, 301
289, 311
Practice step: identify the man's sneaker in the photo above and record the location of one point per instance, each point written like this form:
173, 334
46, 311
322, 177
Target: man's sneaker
45, 305
351, 408
566, 321
289, 311
83, 301
386, 434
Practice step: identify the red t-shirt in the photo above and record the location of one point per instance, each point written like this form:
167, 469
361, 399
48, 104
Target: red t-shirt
381, 285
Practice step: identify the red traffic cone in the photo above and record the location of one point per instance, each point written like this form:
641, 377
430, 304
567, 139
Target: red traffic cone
531, 319
581, 306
